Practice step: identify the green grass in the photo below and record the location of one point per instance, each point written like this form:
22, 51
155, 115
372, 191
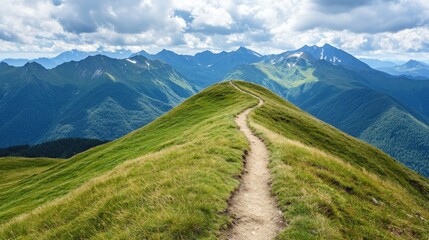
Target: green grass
172, 180
16, 168
288, 77
332, 186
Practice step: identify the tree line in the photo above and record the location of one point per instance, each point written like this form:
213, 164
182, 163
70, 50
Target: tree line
61, 148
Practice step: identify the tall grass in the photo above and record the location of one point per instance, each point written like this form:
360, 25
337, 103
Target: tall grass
332, 186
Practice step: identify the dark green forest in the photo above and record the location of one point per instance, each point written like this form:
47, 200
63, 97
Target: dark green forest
61, 148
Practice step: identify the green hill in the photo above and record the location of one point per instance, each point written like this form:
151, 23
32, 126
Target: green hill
387, 112
172, 179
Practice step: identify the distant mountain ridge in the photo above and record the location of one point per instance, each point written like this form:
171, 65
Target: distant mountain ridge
205, 68
72, 55
98, 97
412, 68
377, 63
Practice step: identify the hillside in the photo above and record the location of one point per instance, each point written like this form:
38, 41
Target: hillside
173, 179
388, 112
98, 97
14, 169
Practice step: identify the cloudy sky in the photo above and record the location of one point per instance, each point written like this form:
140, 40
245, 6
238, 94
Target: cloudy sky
395, 29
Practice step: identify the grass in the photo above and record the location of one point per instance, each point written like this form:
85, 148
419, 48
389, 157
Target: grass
13, 169
332, 186
168, 180
172, 179
288, 77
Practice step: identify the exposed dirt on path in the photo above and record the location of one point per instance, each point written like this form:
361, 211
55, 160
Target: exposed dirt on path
255, 209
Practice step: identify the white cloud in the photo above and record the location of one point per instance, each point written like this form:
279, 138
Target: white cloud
371, 27
211, 16
365, 16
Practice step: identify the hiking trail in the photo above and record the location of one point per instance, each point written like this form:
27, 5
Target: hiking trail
255, 209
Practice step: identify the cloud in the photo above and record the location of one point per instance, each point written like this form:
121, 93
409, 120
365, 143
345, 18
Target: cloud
7, 35
370, 16
336, 6
359, 26
127, 16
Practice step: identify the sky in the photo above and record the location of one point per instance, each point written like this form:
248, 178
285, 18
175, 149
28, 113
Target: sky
384, 29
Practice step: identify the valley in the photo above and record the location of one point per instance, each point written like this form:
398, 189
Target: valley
327, 183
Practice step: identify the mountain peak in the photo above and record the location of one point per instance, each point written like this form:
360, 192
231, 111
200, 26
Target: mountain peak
34, 66
138, 57
242, 48
165, 52
73, 54
414, 63
96, 56
142, 53
95, 60
333, 55
245, 50
291, 58
327, 45
205, 52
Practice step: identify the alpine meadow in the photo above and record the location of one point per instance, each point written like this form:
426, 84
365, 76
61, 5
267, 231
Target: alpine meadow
238, 120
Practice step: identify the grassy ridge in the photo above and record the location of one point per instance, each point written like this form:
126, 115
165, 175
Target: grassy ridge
172, 179
181, 172
332, 186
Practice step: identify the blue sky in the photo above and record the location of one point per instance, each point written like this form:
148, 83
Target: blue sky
386, 29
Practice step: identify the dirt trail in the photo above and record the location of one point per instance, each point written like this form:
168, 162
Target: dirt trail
256, 212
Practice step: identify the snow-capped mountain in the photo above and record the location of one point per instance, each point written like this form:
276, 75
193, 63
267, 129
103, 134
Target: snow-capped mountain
335, 56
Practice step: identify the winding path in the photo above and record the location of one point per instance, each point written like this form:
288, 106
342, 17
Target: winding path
255, 209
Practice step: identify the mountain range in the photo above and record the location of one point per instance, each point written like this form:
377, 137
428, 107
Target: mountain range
205, 68
412, 68
72, 55
98, 97
377, 63
389, 112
